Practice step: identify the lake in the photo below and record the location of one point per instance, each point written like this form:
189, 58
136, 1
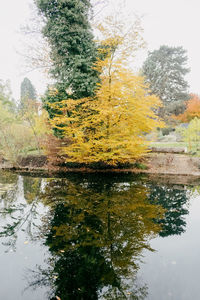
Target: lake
98, 236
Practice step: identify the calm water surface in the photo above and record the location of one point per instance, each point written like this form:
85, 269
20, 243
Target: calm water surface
98, 237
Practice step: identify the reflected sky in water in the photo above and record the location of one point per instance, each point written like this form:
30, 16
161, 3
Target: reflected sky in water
98, 236
173, 272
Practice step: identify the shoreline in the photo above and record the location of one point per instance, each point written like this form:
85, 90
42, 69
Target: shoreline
156, 163
162, 168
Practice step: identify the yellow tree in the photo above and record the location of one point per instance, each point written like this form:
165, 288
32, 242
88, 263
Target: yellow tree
111, 126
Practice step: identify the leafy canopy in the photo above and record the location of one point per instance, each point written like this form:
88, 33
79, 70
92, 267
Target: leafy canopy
192, 109
164, 70
27, 96
72, 47
110, 127
27, 89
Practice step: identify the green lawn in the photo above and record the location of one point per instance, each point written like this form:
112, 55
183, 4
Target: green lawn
168, 144
194, 147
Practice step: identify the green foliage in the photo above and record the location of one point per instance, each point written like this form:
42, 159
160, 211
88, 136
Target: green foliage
28, 93
73, 51
20, 132
27, 89
175, 202
167, 130
164, 70
192, 134
14, 137
29, 114
175, 108
54, 95
140, 166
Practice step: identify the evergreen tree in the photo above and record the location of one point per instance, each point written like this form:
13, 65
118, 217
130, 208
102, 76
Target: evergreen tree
164, 70
27, 90
73, 50
174, 202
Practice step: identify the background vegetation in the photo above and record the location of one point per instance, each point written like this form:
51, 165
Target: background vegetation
97, 109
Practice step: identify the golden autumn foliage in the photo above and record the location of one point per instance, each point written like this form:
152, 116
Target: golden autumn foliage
192, 109
111, 126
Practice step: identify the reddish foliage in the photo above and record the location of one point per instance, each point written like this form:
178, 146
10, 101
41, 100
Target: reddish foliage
192, 109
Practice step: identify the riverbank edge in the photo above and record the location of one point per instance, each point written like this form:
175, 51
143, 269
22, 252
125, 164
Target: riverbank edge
156, 163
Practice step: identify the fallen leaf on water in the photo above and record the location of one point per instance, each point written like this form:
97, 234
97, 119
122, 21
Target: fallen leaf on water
26, 242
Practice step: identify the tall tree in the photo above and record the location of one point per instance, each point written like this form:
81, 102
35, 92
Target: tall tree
29, 107
111, 126
164, 70
73, 51
27, 90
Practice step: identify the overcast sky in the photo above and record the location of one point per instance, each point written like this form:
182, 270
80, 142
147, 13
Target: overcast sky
165, 22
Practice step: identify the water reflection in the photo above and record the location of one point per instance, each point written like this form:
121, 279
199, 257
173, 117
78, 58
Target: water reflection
8, 188
175, 202
32, 188
96, 229
19, 207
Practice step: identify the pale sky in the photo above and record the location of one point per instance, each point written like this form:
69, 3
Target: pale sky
165, 22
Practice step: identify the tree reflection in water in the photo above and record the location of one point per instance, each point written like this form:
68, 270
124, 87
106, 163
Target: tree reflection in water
175, 202
96, 230
18, 208
32, 188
